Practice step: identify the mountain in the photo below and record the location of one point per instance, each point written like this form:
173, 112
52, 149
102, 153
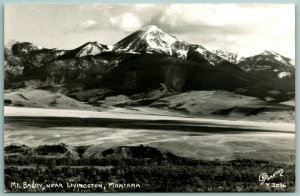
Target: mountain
269, 63
34, 56
24, 48
89, 48
148, 71
27, 49
150, 39
26, 61
144, 61
276, 70
231, 57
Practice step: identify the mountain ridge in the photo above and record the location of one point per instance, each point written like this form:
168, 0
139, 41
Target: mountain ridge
169, 43
142, 55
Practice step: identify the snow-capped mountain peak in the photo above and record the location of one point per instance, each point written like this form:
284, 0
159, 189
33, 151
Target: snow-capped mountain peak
269, 62
150, 28
147, 40
91, 48
231, 57
268, 52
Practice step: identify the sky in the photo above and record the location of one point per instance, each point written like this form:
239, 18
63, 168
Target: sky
245, 29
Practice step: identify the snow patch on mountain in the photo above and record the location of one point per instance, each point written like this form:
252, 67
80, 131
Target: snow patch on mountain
201, 50
180, 49
284, 74
60, 53
92, 48
182, 54
110, 47
231, 57
162, 42
212, 58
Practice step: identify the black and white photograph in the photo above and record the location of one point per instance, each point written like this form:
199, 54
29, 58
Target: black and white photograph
149, 97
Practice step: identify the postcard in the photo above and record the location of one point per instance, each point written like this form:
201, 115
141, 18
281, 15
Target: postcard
149, 97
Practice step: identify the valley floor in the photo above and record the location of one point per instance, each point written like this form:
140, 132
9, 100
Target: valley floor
198, 138
62, 147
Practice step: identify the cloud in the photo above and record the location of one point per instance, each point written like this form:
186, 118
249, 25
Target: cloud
82, 26
126, 22
241, 28
87, 24
143, 6
178, 16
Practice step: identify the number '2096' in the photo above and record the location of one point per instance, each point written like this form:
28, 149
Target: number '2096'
276, 185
